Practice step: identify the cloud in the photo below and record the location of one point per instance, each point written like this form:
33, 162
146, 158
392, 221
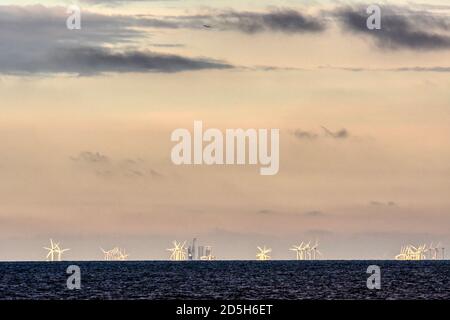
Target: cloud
276, 20
136, 168
438, 69
308, 135
91, 157
266, 211
270, 68
340, 134
292, 214
155, 174
42, 44
422, 69
113, 43
383, 204
89, 60
119, 2
105, 167
314, 213
311, 135
280, 20
168, 45
401, 28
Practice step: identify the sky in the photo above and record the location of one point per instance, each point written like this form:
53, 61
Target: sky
86, 117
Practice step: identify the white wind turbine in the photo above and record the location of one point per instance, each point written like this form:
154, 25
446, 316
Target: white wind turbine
412, 252
60, 251
178, 251
435, 250
262, 255
307, 251
315, 251
298, 251
114, 254
51, 251
54, 249
421, 252
123, 255
432, 251
441, 248
107, 254
402, 255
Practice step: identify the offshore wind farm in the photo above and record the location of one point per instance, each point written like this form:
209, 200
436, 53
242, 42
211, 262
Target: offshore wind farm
192, 269
225, 149
305, 251
189, 269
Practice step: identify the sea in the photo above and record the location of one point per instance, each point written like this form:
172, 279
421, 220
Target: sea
234, 280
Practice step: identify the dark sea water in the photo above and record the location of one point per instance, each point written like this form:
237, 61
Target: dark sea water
226, 280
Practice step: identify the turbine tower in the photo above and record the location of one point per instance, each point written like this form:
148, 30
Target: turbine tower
107, 254
122, 254
434, 251
410, 252
307, 251
298, 251
51, 251
262, 255
315, 251
114, 254
54, 249
60, 252
178, 251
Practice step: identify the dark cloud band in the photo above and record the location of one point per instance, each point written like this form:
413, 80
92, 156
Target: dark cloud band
401, 28
34, 39
89, 60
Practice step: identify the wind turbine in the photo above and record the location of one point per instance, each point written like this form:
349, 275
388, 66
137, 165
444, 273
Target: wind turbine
262, 255
436, 250
307, 251
422, 252
51, 251
123, 255
60, 252
298, 251
315, 251
182, 251
412, 252
54, 248
178, 251
115, 254
107, 254
408, 252
402, 254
